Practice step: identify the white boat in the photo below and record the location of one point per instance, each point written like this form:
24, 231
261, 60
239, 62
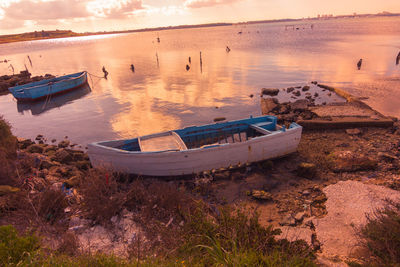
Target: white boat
196, 149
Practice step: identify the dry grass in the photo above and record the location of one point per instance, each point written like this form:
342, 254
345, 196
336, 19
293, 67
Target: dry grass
102, 195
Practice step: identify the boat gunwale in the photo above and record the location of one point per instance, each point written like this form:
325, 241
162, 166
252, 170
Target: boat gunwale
293, 126
42, 83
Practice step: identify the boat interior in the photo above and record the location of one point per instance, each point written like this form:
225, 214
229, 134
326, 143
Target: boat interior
207, 136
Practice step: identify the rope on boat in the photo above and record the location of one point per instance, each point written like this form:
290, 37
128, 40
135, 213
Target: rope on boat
91, 79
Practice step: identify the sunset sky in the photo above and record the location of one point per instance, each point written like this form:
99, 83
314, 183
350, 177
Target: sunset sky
18, 16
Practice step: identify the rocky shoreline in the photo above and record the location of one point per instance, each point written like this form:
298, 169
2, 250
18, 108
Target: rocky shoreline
291, 193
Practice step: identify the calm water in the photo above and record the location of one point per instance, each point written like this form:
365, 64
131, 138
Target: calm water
162, 95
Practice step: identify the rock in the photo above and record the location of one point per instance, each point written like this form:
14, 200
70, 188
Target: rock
24, 143
63, 144
306, 193
219, 119
82, 165
296, 93
49, 148
290, 89
300, 105
284, 109
46, 164
314, 82
270, 91
268, 104
288, 220
387, 157
261, 195
39, 137
305, 88
35, 148
63, 156
347, 161
307, 170
320, 199
6, 189
299, 216
53, 140
354, 131
316, 94
78, 155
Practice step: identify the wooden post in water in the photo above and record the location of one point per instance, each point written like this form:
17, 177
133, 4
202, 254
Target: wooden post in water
158, 64
201, 64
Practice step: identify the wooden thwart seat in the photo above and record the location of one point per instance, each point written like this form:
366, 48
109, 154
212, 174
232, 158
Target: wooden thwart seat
165, 142
258, 127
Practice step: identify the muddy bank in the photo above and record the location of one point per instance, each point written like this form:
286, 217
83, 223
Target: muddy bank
23, 77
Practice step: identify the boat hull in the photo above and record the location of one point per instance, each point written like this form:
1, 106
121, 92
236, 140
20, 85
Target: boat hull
193, 161
46, 88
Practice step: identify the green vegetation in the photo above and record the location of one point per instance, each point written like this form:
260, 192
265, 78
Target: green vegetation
230, 239
15, 248
29, 36
8, 146
381, 236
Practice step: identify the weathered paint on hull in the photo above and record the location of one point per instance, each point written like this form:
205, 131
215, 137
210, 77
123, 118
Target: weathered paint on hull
44, 90
194, 161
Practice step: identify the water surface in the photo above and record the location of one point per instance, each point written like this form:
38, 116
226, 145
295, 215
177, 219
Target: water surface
161, 95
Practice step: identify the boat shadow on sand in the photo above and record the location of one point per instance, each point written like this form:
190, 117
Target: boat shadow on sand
55, 101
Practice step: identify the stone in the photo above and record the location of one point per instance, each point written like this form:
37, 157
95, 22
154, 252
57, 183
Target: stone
288, 220
307, 170
305, 88
306, 193
387, 157
354, 131
300, 105
347, 161
268, 104
299, 216
63, 144
39, 137
261, 195
63, 156
24, 143
296, 93
290, 89
78, 156
219, 119
6, 189
35, 148
53, 140
46, 164
270, 91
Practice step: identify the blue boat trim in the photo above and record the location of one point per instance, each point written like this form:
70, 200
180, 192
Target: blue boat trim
45, 88
210, 136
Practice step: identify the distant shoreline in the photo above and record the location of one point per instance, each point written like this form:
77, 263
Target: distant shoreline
40, 35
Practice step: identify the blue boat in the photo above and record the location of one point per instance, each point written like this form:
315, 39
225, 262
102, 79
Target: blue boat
197, 149
46, 88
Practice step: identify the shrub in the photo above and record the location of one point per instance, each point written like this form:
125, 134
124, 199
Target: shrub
237, 239
15, 248
8, 145
381, 235
50, 204
102, 196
